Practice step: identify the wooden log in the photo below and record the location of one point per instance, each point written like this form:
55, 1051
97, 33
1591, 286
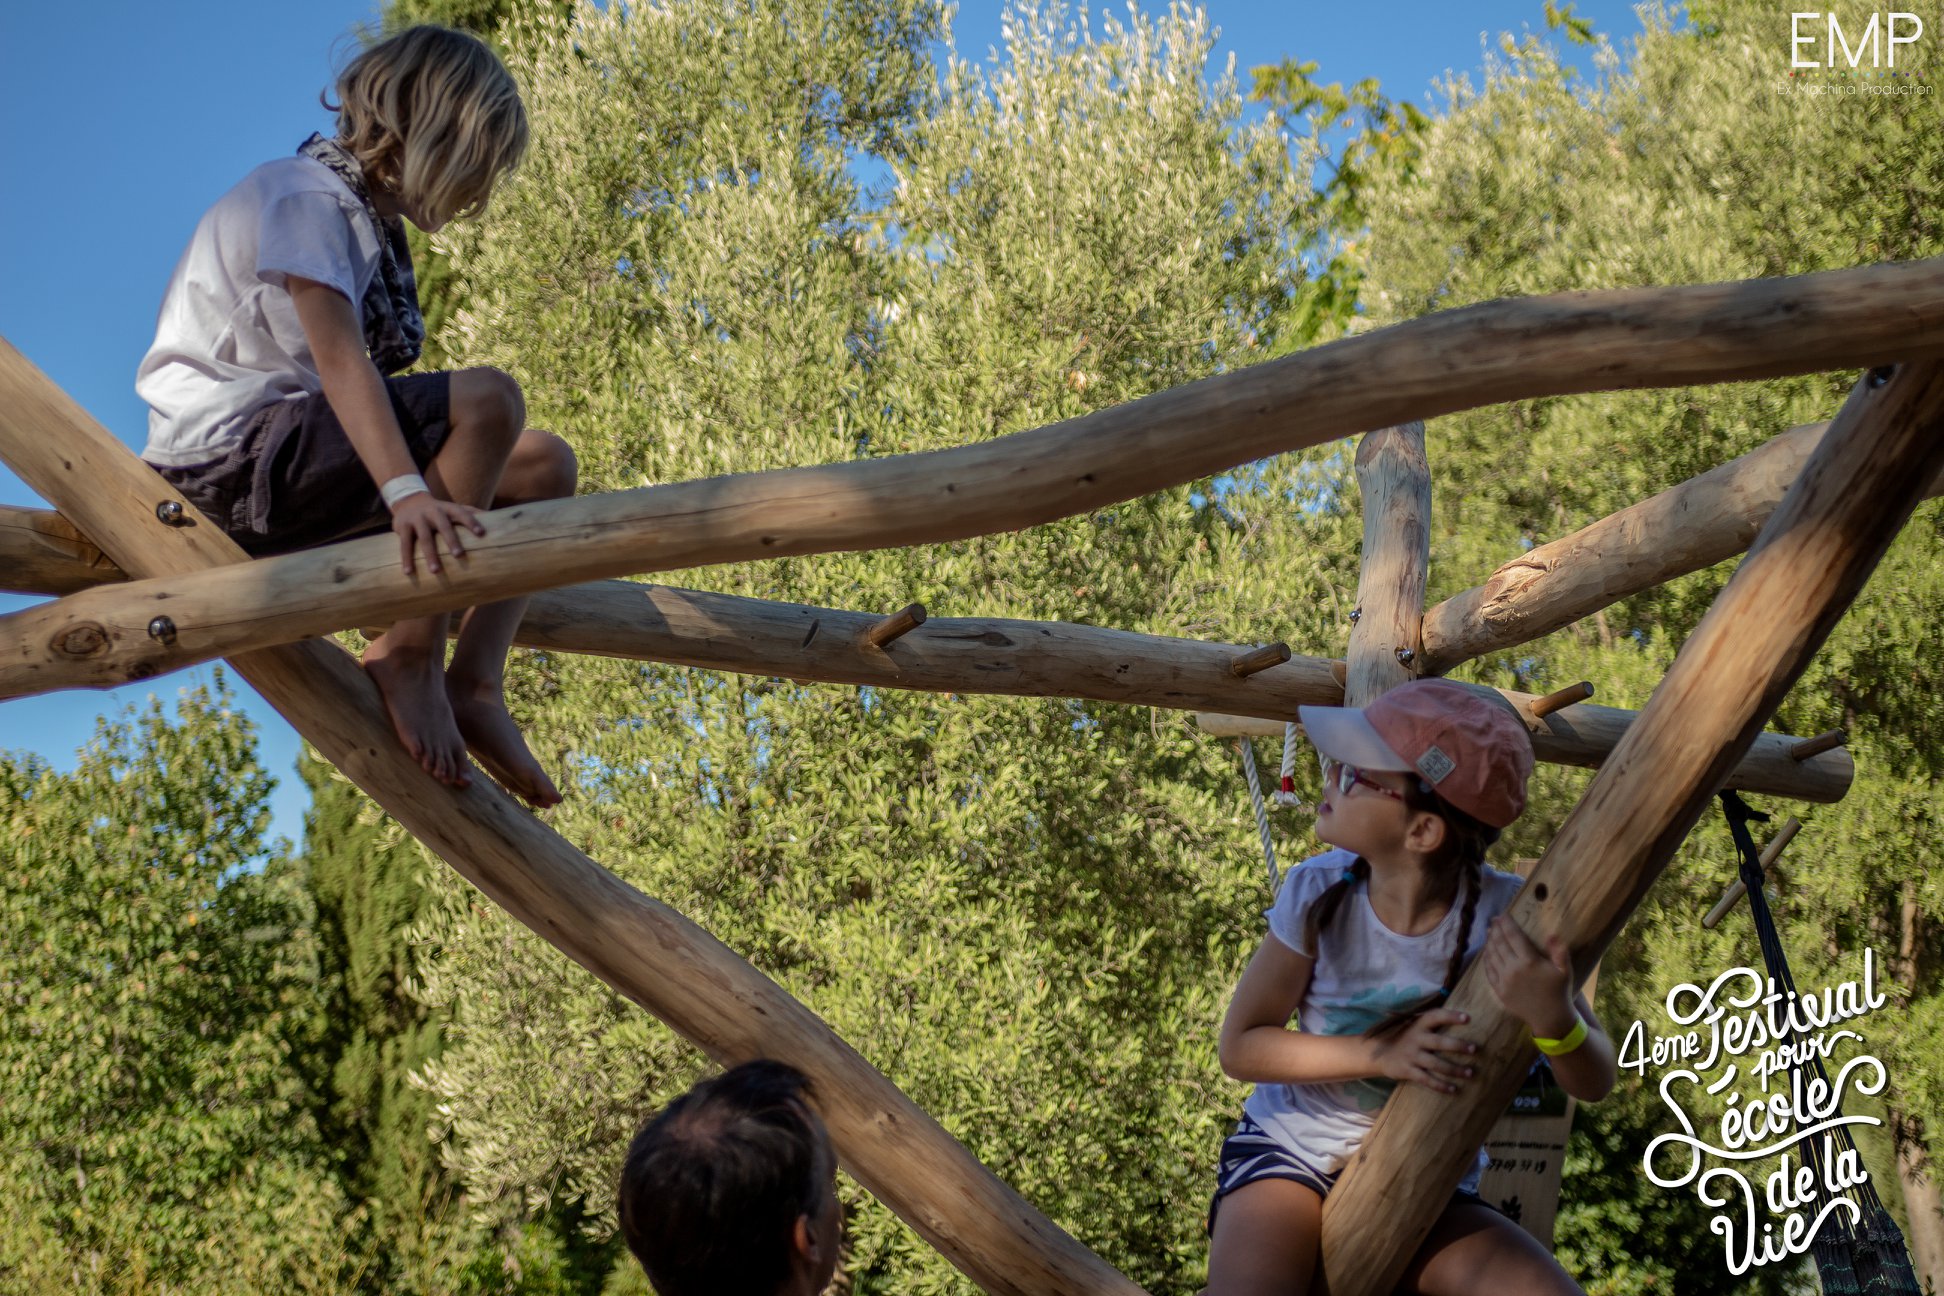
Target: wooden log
1452, 360
968, 655
644, 949
1257, 660
1568, 696
1395, 480
1012, 658
896, 626
1737, 889
1006, 657
1585, 735
1808, 564
44, 553
1683, 529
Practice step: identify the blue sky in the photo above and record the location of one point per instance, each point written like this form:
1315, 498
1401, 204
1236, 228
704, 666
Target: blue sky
115, 142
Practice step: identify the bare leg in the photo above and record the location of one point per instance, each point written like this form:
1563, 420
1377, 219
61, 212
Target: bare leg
1473, 1248
541, 467
407, 662
1265, 1241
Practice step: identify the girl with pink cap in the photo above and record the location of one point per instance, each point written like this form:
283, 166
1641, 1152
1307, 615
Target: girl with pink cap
1365, 942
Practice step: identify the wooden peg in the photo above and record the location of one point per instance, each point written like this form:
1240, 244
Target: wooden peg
898, 624
1545, 706
1821, 743
1736, 890
1260, 659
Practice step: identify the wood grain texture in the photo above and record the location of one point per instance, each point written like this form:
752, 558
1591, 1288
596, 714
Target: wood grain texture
1395, 480
41, 552
1806, 567
643, 948
1683, 529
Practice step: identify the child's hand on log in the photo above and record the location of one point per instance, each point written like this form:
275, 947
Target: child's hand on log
1535, 984
421, 520
1423, 1054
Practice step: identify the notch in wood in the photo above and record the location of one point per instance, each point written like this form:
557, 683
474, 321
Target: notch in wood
1821, 743
1545, 706
1736, 890
898, 624
1246, 664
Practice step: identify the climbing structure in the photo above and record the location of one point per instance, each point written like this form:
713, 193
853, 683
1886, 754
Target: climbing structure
169, 590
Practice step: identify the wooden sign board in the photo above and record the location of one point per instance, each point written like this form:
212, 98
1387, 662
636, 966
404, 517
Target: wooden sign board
1528, 1147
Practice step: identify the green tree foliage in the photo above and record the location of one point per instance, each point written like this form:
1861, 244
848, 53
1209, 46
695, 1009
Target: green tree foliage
368, 882
1696, 158
157, 967
773, 236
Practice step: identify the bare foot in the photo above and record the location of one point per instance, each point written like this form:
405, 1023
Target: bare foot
411, 680
495, 742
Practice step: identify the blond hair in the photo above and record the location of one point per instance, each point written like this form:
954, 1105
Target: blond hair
433, 116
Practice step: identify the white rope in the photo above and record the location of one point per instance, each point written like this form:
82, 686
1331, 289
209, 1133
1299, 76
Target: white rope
1286, 790
1261, 811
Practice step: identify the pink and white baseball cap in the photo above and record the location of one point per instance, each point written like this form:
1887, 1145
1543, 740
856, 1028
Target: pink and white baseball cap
1471, 749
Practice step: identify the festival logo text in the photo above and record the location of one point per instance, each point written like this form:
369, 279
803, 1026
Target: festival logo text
1740, 1014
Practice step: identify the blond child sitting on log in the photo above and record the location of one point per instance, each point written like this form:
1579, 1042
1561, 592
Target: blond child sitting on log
1365, 943
270, 408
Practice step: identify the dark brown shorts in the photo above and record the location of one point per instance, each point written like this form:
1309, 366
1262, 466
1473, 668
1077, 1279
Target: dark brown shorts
295, 482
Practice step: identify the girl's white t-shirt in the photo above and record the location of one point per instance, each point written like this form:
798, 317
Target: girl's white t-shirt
1364, 972
227, 339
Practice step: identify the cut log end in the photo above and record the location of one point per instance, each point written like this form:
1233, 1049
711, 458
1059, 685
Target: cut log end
1551, 702
1821, 743
896, 626
1259, 659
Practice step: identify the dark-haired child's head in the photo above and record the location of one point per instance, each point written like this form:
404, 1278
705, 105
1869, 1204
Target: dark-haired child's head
731, 1189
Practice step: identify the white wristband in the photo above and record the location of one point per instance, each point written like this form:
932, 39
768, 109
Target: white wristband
399, 488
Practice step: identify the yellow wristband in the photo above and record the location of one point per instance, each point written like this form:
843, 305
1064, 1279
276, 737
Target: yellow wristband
1572, 1039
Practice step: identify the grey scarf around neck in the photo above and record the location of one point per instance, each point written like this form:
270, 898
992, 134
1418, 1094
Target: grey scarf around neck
393, 328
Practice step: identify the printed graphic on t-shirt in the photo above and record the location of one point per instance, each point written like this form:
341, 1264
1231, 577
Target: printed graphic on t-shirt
1362, 1011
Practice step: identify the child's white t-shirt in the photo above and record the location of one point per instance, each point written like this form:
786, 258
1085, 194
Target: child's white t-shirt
227, 339
1365, 971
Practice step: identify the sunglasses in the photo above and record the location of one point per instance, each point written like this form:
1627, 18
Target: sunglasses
1346, 777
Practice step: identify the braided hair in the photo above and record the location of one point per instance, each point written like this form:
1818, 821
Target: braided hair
1466, 841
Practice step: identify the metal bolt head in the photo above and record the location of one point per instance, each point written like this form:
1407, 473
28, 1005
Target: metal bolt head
162, 630
1881, 375
1356, 615
171, 513
1406, 656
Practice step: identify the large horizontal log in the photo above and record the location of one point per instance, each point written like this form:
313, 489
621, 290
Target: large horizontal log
643, 948
1683, 529
1584, 735
1459, 359
796, 641
1802, 573
1017, 658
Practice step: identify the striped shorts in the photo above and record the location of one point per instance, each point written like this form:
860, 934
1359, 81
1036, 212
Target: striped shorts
1251, 1154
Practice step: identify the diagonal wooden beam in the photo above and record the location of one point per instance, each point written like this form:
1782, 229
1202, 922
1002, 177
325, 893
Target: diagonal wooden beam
1809, 563
643, 948
1460, 359
1683, 529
